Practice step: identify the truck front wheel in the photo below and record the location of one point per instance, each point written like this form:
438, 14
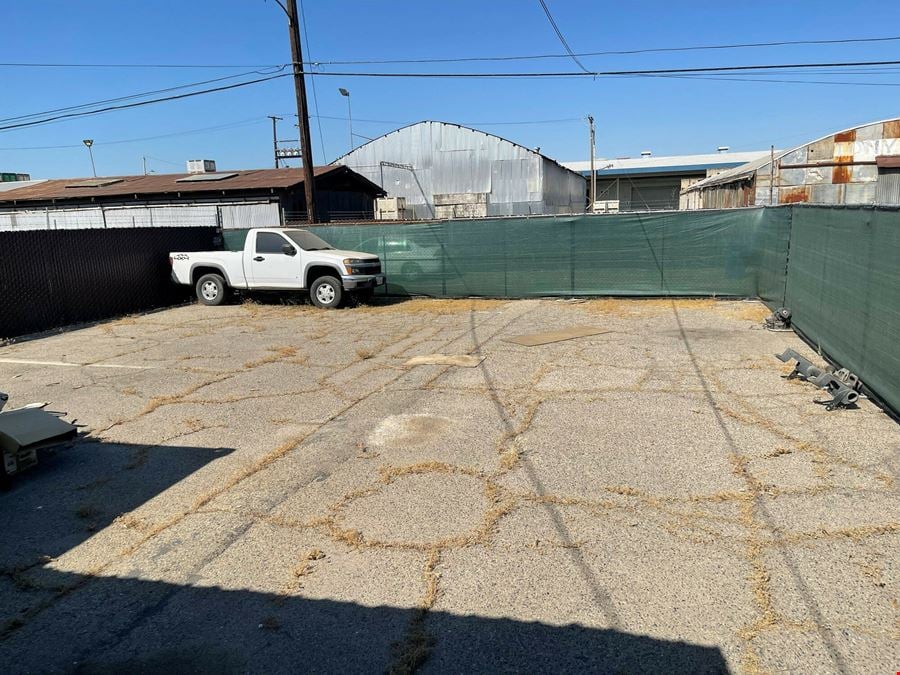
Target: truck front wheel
212, 289
326, 292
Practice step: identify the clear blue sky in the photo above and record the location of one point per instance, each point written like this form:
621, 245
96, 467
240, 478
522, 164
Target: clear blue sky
667, 116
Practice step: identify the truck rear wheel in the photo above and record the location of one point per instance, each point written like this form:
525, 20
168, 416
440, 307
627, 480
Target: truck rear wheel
212, 289
326, 292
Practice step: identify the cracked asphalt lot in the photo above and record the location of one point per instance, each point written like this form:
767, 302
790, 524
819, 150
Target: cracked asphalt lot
268, 488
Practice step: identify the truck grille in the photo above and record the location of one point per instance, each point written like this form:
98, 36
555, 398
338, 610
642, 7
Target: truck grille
369, 267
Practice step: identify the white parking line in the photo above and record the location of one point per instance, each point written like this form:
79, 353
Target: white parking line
66, 364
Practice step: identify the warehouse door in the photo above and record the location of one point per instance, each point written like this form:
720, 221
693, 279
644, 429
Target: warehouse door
887, 191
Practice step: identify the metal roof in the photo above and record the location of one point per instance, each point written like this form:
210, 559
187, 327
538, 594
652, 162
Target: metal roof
458, 126
747, 170
665, 164
168, 184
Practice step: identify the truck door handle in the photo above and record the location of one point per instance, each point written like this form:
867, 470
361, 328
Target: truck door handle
259, 258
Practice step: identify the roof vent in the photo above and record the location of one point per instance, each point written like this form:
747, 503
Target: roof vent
95, 182
646, 153
723, 148
201, 166
204, 177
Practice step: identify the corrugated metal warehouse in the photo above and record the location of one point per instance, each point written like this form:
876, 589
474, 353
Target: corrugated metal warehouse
860, 165
650, 183
445, 170
230, 199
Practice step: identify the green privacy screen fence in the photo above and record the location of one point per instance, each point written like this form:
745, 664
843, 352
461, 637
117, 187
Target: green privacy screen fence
725, 253
836, 268
843, 286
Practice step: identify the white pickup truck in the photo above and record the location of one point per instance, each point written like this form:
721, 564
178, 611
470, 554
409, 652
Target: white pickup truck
279, 259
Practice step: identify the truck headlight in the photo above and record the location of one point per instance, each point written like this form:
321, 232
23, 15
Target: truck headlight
350, 265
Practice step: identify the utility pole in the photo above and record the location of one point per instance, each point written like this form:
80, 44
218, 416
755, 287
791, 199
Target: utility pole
302, 110
274, 137
593, 172
144, 164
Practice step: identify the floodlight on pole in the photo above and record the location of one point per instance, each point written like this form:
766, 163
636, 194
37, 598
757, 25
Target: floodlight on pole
88, 142
346, 92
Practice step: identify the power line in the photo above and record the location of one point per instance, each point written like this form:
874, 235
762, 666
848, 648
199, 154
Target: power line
607, 73
619, 52
561, 37
138, 65
131, 97
142, 103
186, 132
487, 124
467, 59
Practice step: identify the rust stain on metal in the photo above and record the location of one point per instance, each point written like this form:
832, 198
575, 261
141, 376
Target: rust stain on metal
892, 129
841, 173
794, 195
845, 136
843, 170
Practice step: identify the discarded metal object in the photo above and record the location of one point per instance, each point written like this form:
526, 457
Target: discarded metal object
26, 430
842, 385
534, 339
464, 360
779, 320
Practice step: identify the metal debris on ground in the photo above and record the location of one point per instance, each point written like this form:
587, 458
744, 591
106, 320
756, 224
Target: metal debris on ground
842, 385
25, 430
463, 360
779, 320
535, 339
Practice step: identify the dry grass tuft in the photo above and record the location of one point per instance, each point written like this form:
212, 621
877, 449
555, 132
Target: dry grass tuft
365, 353
778, 452
627, 307
276, 353
438, 307
413, 652
131, 522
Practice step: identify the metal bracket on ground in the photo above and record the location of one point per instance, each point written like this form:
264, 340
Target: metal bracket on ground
841, 385
779, 320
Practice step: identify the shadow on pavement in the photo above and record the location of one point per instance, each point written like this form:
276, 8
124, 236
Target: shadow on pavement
128, 625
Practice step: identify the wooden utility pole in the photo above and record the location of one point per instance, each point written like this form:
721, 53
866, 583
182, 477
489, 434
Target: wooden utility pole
593, 171
309, 184
274, 137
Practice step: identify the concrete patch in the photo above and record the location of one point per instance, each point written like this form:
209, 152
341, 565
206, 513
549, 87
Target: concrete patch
535, 339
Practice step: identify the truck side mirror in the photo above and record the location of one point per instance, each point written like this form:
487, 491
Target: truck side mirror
287, 249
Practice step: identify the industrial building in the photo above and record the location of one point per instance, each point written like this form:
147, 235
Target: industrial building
230, 199
442, 170
651, 183
860, 165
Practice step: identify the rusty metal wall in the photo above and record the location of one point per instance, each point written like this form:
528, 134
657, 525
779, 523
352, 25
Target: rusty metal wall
839, 169
55, 278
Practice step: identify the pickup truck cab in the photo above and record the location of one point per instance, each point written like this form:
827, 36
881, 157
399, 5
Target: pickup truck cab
279, 259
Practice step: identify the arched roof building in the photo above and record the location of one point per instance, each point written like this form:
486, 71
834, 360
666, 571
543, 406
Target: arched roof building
860, 165
446, 170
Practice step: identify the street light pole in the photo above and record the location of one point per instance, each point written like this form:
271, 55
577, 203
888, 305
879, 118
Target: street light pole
88, 143
346, 92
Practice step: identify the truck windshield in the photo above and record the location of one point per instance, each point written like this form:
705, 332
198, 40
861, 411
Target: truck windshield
308, 241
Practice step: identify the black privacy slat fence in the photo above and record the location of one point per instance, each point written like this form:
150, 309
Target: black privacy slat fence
58, 277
